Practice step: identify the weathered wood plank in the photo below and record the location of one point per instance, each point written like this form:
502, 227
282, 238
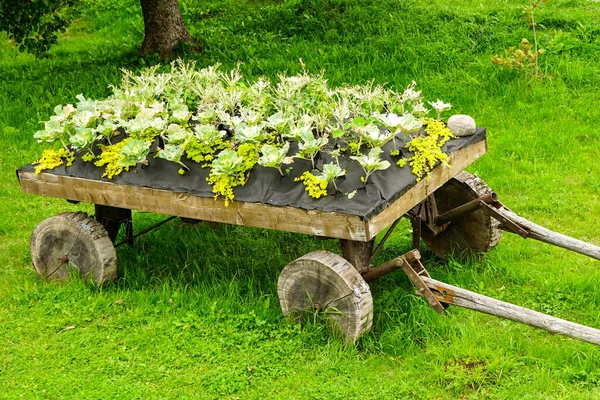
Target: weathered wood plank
467, 299
546, 235
458, 160
259, 215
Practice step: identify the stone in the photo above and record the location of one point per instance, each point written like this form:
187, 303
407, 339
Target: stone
462, 125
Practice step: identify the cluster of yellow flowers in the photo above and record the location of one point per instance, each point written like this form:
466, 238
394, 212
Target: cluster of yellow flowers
223, 184
203, 153
427, 150
315, 187
111, 157
53, 158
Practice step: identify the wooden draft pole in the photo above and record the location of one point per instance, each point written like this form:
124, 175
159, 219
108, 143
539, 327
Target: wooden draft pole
440, 295
449, 294
542, 234
512, 222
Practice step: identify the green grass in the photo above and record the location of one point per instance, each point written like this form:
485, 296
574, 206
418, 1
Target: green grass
195, 313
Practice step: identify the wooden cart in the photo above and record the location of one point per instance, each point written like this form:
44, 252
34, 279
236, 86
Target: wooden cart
451, 211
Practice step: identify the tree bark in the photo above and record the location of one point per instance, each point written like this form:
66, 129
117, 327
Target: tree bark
163, 28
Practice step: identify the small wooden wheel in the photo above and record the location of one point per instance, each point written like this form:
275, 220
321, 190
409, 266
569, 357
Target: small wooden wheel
326, 283
73, 242
474, 233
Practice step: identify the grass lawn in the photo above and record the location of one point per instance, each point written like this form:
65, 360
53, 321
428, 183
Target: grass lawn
195, 312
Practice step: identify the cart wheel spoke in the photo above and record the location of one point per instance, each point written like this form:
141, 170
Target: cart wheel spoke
326, 283
71, 242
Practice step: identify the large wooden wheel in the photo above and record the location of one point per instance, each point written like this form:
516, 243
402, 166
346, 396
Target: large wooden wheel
473, 234
325, 283
73, 243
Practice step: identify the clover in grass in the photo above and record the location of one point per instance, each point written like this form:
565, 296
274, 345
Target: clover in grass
273, 156
371, 162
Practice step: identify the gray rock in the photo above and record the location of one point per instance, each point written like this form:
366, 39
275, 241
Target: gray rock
462, 125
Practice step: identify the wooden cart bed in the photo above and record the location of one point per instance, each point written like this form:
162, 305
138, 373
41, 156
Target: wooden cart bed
286, 218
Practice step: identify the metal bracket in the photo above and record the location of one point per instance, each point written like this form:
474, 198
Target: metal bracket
507, 224
413, 268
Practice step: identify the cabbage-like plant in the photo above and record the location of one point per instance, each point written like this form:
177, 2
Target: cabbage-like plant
371, 162
208, 134
82, 139
180, 114
53, 130
309, 146
227, 163
134, 152
176, 135
172, 152
374, 136
332, 171
273, 156
107, 129
440, 107
250, 133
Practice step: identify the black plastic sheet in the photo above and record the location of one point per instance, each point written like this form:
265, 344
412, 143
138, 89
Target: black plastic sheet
266, 185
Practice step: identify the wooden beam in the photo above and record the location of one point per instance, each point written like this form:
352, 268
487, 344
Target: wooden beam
291, 219
542, 234
458, 160
464, 298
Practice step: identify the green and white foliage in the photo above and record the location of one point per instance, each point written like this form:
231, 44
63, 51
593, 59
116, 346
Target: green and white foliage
134, 152
332, 171
227, 163
371, 162
309, 146
228, 124
274, 157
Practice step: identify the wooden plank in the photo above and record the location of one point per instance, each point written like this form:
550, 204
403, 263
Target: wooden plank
458, 160
291, 219
540, 233
474, 301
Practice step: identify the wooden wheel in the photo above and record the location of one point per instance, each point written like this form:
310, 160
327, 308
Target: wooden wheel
73, 242
474, 233
326, 283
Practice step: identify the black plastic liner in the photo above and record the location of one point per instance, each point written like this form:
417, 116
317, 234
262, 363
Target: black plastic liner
266, 185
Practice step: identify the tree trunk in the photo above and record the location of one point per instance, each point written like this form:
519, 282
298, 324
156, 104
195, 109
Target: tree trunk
163, 27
